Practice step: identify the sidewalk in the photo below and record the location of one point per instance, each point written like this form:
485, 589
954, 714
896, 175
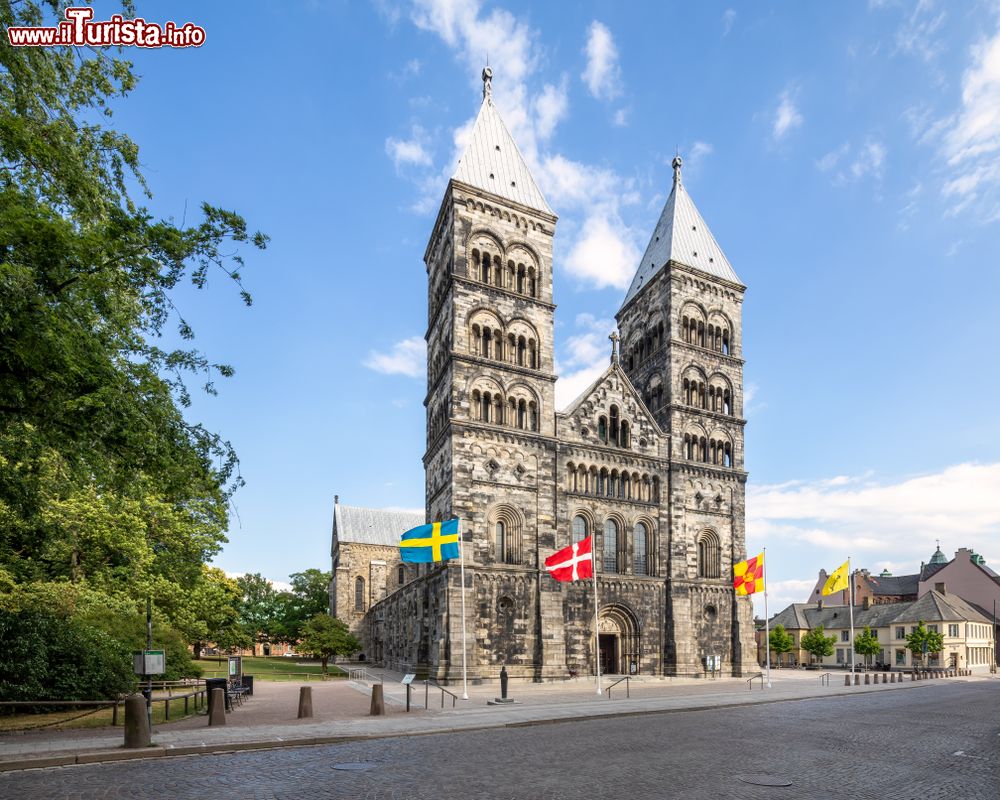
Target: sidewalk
341, 714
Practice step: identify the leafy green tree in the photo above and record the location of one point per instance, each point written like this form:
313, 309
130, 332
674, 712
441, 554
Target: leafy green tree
923, 640
780, 641
817, 644
210, 612
866, 644
312, 589
103, 480
326, 637
259, 607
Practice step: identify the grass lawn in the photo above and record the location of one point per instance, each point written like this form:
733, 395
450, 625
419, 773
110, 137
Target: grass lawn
270, 668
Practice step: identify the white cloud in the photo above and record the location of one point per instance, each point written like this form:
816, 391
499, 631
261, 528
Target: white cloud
551, 107
698, 152
406, 152
917, 36
586, 355
603, 254
728, 18
881, 521
408, 357
786, 117
848, 165
975, 130
620, 118
602, 75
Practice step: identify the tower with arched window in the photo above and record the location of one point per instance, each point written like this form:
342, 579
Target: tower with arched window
681, 336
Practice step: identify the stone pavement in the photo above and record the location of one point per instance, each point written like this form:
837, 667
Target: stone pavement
941, 742
268, 719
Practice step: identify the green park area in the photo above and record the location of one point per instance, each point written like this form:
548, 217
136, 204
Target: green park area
272, 668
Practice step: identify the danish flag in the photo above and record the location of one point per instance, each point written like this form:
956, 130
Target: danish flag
572, 563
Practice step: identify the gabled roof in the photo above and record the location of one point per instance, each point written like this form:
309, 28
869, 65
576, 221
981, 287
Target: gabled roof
493, 163
681, 236
894, 585
616, 369
932, 607
372, 525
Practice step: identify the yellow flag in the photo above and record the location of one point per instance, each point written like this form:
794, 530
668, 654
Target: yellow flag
837, 580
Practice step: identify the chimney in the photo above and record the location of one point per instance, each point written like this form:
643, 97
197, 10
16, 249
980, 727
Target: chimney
940, 588
867, 603
819, 604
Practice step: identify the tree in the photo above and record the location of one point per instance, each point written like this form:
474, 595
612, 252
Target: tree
818, 645
923, 640
211, 613
258, 609
780, 641
866, 644
312, 588
325, 636
103, 480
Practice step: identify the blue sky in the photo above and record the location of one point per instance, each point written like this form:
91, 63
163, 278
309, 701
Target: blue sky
845, 156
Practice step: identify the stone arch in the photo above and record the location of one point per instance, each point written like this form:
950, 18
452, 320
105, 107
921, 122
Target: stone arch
619, 639
709, 554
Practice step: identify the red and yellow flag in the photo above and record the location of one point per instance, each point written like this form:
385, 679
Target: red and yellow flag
748, 576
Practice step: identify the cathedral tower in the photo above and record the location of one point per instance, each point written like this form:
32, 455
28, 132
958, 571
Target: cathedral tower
682, 349
490, 392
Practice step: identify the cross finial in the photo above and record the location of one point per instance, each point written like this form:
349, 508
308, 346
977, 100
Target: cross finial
676, 164
614, 346
487, 83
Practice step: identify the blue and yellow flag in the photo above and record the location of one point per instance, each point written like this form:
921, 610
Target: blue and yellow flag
427, 543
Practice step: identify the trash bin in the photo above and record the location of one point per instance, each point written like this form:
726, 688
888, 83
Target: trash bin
218, 683
248, 683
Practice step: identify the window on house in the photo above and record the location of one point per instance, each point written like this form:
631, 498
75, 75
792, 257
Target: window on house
579, 528
840, 655
402, 575
501, 541
900, 657
845, 636
932, 628
708, 555
900, 632
953, 630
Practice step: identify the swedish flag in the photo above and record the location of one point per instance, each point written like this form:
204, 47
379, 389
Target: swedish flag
427, 543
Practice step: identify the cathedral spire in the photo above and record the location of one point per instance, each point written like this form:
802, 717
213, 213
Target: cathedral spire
491, 160
680, 236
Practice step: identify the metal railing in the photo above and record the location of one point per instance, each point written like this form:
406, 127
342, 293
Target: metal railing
361, 674
752, 678
93, 706
613, 685
428, 684
824, 679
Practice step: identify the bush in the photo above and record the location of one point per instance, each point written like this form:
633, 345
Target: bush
46, 656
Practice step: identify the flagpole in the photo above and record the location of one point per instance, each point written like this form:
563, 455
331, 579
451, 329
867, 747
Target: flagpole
767, 622
850, 594
461, 560
597, 646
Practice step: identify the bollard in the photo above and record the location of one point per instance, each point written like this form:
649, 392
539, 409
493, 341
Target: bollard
847, 680
217, 707
136, 722
378, 701
875, 679
885, 677
857, 679
305, 702
868, 679
913, 677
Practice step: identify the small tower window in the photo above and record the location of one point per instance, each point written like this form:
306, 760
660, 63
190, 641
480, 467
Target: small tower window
610, 546
401, 577
639, 562
359, 594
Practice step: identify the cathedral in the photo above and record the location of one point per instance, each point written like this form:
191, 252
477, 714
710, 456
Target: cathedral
649, 460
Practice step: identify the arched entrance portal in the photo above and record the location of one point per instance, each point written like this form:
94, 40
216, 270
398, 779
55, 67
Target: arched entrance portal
618, 640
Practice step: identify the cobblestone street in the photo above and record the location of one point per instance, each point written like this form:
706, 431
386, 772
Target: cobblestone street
943, 742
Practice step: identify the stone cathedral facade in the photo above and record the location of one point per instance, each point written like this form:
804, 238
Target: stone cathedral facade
649, 460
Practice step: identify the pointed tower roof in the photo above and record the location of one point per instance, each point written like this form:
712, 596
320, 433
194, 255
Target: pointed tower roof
492, 161
681, 235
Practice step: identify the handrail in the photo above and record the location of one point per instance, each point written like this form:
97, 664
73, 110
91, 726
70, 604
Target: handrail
361, 674
824, 679
436, 685
752, 678
96, 705
613, 685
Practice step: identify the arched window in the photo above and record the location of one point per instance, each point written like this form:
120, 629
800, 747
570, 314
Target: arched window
501, 541
626, 486
487, 403
579, 528
532, 284
497, 410
727, 458
521, 347
401, 577
624, 435
484, 273
708, 555
359, 594
727, 403
613, 433
487, 343
602, 429
532, 416
725, 343
641, 546
520, 278
522, 414
610, 546
532, 354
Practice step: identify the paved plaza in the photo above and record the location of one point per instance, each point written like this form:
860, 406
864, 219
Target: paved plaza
937, 740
